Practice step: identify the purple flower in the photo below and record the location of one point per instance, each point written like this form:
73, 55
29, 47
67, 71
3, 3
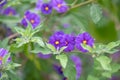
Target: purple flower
78, 65
59, 5
84, 38
58, 69
44, 56
46, 8
57, 40
2, 3
33, 18
69, 42
9, 11
3, 53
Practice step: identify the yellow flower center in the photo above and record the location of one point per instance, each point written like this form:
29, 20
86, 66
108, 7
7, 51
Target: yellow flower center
66, 43
57, 42
46, 8
84, 41
59, 5
10, 13
24, 16
32, 21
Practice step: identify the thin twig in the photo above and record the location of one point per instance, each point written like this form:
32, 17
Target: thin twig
13, 36
83, 3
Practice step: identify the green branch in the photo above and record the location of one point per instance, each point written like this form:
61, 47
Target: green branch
83, 3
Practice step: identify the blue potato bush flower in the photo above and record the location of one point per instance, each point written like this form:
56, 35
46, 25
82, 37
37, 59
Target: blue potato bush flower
60, 6
84, 38
57, 40
46, 8
9, 11
33, 18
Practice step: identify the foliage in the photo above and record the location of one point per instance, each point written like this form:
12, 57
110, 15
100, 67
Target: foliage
97, 17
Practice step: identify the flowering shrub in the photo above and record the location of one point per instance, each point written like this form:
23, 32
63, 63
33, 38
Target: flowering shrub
59, 40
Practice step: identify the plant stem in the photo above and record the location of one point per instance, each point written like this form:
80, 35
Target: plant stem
83, 3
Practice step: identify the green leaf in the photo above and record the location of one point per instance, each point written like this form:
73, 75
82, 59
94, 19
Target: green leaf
112, 45
91, 77
28, 31
21, 41
51, 47
9, 19
70, 70
16, 65
38, 40
87, 47
12, 66
63, 59
4, 43
105, 62
111, 51
115, 67
107, 74
95, 13
20, 30
6, 58
42, 50
61, 49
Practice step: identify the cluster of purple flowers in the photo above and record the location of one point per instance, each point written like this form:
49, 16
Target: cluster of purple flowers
33, 18
60, 39
3, 54
46, 8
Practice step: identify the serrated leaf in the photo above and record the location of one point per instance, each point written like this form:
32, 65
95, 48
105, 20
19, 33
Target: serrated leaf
105, 62
95, 13
63, 59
